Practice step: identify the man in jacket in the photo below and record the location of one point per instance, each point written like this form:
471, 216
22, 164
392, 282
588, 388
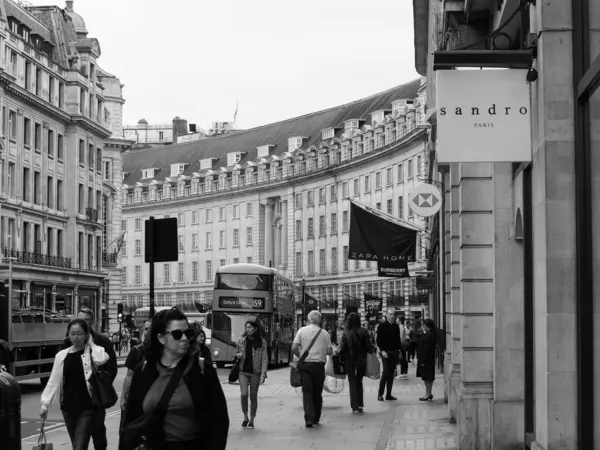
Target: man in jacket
312, 370
109, 371
388, 342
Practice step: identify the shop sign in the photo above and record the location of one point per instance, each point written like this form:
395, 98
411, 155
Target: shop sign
483, 116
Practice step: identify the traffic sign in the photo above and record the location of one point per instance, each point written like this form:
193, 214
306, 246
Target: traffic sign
426, 200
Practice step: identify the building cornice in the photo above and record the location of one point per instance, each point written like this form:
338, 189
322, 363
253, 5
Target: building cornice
91, 126
414, 137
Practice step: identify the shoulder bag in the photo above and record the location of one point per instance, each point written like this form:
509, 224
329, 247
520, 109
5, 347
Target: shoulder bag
234, 373
104, 394
136, 435
295, 379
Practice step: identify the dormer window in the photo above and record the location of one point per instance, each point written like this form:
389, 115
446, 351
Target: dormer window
350, 124
234, 158
264, 150
207, 163
124, 174
148, 173
327, 133
294, 143
377, 117
176, 169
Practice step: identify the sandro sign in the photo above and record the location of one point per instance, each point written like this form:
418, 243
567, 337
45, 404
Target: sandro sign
483, 116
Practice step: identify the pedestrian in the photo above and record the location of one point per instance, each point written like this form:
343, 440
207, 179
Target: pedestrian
388, 341
404, 344
312, 370
69, 384
356, 344
109, 371
253, 360
135, 357
201, 348
414, 335
426, 355
193, 410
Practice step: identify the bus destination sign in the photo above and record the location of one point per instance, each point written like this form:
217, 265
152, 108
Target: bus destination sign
242, 302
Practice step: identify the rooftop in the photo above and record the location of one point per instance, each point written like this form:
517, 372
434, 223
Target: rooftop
276, 134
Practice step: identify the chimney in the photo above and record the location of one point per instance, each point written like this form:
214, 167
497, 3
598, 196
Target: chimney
69, 6
180, 128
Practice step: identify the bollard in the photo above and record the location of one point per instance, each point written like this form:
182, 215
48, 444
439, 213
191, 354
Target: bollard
10, 412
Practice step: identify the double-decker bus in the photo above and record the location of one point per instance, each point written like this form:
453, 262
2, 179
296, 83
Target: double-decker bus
245, 292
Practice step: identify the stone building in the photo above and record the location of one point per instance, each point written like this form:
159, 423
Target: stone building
517, 248
277, 195
51, 173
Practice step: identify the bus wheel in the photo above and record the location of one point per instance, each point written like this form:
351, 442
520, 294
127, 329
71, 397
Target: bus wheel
44, 381
220, 365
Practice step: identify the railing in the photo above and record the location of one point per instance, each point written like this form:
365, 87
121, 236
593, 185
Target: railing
37, 258
257, 178
110, 258
91, 214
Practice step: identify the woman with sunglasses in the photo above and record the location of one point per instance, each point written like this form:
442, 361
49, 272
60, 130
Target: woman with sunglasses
253, 360
195, 416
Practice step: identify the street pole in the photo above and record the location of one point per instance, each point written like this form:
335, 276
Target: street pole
120, 336
10, 289
151, 268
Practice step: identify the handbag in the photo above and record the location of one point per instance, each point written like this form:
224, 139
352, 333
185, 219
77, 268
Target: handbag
373, 367
134, 435
104, 394
234, 373
330, 368
42, 443
295, 378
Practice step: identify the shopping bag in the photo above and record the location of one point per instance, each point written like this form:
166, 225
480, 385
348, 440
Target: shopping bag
330, 369
333, 385
234, 373
42, 443
373, 367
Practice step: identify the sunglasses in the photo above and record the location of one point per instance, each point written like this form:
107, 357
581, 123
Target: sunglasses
178, 334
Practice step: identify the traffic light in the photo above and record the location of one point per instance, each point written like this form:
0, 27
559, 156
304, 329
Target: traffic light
128, 321
120, 308
120, 317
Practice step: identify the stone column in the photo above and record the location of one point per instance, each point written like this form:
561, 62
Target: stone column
447, 294
269, 233
454, 284
284, 234
474, 413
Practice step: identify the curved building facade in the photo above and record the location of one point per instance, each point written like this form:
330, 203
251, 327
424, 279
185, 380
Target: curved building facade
278, 195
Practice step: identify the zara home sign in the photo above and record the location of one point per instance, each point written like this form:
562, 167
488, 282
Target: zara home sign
483, 116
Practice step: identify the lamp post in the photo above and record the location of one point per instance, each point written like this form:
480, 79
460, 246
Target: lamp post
303, 284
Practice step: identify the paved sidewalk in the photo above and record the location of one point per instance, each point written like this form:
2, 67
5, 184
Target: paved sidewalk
403, 424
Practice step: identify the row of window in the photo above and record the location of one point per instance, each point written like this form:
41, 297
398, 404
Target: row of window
195, 216
179, 276
50, 142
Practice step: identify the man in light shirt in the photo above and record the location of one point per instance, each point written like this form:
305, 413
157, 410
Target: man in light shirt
312, 370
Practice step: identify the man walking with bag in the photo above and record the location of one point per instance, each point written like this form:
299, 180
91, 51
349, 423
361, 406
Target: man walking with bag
316, 343
388, 342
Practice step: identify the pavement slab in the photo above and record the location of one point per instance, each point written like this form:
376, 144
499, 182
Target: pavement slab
403, 424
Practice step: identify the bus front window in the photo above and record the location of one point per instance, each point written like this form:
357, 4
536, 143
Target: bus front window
242, 282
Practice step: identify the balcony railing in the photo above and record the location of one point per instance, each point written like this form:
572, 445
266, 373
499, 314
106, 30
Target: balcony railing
110, 258
37, 258
91, 214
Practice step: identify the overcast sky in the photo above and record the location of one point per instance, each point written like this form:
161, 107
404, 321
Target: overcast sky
278, 58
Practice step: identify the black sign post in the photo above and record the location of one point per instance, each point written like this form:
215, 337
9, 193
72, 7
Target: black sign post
161, 246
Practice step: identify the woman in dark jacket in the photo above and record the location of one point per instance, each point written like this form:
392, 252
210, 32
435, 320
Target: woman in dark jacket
354, 346
196, 416
426, 355
200, 347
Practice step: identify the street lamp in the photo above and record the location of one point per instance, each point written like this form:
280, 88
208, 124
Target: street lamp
303, 284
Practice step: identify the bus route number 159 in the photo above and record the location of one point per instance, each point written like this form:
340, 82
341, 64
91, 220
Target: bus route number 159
242, 302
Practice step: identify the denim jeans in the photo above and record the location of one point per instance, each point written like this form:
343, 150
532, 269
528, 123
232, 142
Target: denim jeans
85, 424
313, 379
356, 368
387, 377
251, 380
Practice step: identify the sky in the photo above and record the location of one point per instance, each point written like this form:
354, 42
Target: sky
278, 58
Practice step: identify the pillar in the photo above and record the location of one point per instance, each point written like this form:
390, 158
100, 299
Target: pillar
285, 230
269, 233
446, 295
455, 303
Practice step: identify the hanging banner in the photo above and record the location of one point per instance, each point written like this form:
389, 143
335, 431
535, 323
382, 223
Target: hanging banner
373, 304
373, 238
483, 116
311, 303
397, 269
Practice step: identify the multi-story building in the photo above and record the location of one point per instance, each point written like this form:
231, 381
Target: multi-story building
278, 195
54, 125
145, 135
518, 243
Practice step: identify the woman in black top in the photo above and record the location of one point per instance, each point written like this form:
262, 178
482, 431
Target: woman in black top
69, 383
253, 360
354, 346
426, 355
